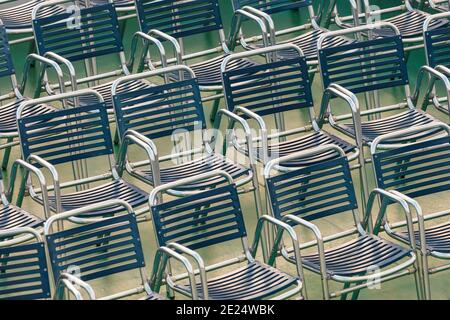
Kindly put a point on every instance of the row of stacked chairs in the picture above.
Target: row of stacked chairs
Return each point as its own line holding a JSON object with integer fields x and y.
{"x": 90, "y": 232}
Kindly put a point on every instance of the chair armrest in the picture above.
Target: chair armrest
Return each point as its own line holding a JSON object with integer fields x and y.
{"x": 147, "y": 39}
{"x": 199, "y": 261}
{"x": 172, "y": 40}
{"x": 434, "y": 75}
{"x": 71, "y": 282}
{"x": 143, "y": 143}
{"x": 28, "y": 168}
{"x": 234, "y": 118}
{"x": 257, "y": 16}
{"x": 163, "y": 254}
{"x": 45, "y": 62}
{"x": 282, "y": 227}
{"x": 337, "y": 91}
{"x": 317, "y": 234}
{"x": 386, "y": 196}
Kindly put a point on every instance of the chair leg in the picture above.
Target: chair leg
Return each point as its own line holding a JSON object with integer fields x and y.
{"x": 346, "y": 286}
{"x": 259, "y": 212}
{"x": 419, "y": 281}
{"x": 325, "y": 288}
{"x": 215, "y": 108}
{"x": 116, "y": 137}
{"x": 426, "y": 278}
{"x": 32, "y": 49}
{"x": 6, "y": 155}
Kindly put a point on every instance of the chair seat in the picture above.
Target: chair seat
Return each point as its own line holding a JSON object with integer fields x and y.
{"x": 208, "y": 72}
{"x": 195, "y": 167}
{"x": 308, "y": 43}
{"x": 105, "y": 90}
{"x": 410, "y": 24}
{"x": 358, "y": 256}
{"x": 404, "y": 120}
{"x": 14, "y": 217}
{"x": 252, "y": 282}
{"x": 19, "y": 17}
{"x": 117, "y": 189}
{"x": 436, "y": 237}
{"x": 315, "y": 139}
{"x": 8, "y": 115}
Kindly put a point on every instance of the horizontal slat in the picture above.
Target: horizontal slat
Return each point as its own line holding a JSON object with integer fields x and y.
{"x": 179, "y": 18}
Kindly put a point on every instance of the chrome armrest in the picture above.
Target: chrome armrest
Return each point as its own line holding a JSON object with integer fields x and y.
{"x": 144, "y": 143}
{"x": 282, "y": 227}
{"x": 145, "y": 56}
{"x": 72, "y": 283}
{"x": 163, "y": 255}
{"x": 434, "y": 75}
{"x": 198, "y": 260}
{"x": 28, "y": 168}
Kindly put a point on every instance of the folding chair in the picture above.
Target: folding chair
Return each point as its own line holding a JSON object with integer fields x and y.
{"x": 273, "y": 89}
{"x": 406, "y": 18}
{"x": 177, "y": 20}
{"x": 368, "y": 68}
{"x": 8, "y": 128}
{"x": 23, "y": 267}
{"x": 18, "y": 18}
{"x": 419, "y": 171}
{"x": 86, "y": 36}
{"x": 206, "y": 220}
{"x": 439, "y": 5}
{"x": 267, "y": 10}
{"x": 98, "y": 249}
{"x": 70, "y": 137}
{"x": 438, "y": 58}
{"x": 313, "y": 193}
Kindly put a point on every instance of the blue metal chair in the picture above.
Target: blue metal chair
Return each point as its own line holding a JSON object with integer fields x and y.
{"x": 23, "y": 267}
{"x": 273, "y": 89}
{"x": 71, "y": 137}
{"x": 307, "y": 196}
{"x": 365, "y": 70}
{"x": 267, "y": 10}
{"x": 101, "y": 247}
{"x": 84, "y": 36}
{"x": 438, "y": 58}
{"x": 206, "y": 220}
{"x": 406, "y": 18}
{"x": 159, "y": 112}
{"x": 8, "y": 128}
{"x": 418, "y": 171}
{"x": 177, "y": 20}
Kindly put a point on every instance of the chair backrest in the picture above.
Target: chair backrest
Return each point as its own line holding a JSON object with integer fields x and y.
{"x": 366, "y": 65}
{"x": 314, "y": 191}
{"x": 6, "y": 62}
{"x": 159, "y": 110}
{"x": 415, "y": 170}
{"x": 23, "y": 269}
{"x": 437, "y": 41}
{"x": 270, "y": 87}
{"x": 201, "y": 220}
{"x": 94, "y": 32}
{"x": 97, "y": 249}
{"x": 272, "y": 6}
{"x": 179, "y": 18}
{"x": 67, "y": 135}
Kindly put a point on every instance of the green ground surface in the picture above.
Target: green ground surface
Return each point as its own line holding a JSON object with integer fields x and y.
{"x": 398, "y": 289}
